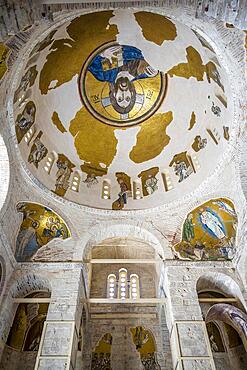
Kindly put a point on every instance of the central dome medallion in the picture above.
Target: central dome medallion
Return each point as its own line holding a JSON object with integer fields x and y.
{"x": 119, "y": 87}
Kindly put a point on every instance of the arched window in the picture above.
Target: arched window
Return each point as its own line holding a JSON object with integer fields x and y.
{"x": 106, "y": 189}
{"x": 50, "y": 161}
{"x": 30, "y": 134}
{"x": 76, "y": 179}
{"x": 121, "y": 287}
{"x": 111, "y": 286}
{"x": 134, "y": 291}
{"x": 123, "y": 284}
{"x": 137, "y": 194}
{"x": 167, "y": 180}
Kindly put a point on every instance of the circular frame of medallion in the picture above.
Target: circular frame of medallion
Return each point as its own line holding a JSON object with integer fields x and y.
{"x": 108, "y": 117}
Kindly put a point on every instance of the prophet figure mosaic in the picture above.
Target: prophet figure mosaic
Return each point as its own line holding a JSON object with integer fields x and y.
{"x": 119, "y": 87}
{"x": 209, "y": 232}
{"x": 145, "y": 345}
{"x": 39, "y": 226}
{"x": 101, "y": 356}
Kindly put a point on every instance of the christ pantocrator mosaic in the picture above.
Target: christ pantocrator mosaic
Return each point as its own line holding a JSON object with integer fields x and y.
{"x": 119, "y": 87}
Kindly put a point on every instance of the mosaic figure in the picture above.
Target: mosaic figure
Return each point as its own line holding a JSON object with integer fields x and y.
{"x": 91, "y": 180}
{"x": 38, "y": 151}
{"x": 213, "y": 344}
{"x": 199, "y": 143}
{"x": 39, "y": 225}
{"x": 209, "y": 232}
{"x": 188, "y": 229}
{"x": 226, "y": 133}
{"x": 182, "y": 171}
{"x": 123, "y": 194}
{"x": 25, "y": 120}
{"x": 182, "y": 165}
{"x": 27, "y": 81}
{"x": 225, "y": 207}
{"x": 151, "y": 184}
{"x": 212, "y": 224}
{"x": 120, "y": 66}
{"x": 119, "y": 95}
{"x": 216, "y": 110}
{"x": 101, "y": 356}
{"x": 62, "y": 175}
{"x": 125, "y": 191}
{"x": 145, "y": 345}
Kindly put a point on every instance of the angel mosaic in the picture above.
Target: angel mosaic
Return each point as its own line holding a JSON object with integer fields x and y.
{"x": 38, "y": 151}
{"x": 151, "y": 184}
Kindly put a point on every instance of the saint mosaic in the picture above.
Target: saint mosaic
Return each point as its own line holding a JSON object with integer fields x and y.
{"x": 119, "y": 87}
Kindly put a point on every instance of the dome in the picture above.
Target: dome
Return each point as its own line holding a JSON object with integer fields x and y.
{"x": 122, "y": 110}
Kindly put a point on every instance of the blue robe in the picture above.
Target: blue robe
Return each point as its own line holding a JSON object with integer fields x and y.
{"x": 130, "y": 54}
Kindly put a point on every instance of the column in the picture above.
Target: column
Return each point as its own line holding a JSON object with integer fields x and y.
{"x": 58, "y": 346}
{"x": 189, "y": 340}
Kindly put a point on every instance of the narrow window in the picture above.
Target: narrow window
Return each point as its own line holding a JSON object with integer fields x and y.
{"x": 76, "y": 181}
{"x": 49, "y": 162}
{"x": 111, "y": 286}
{"x": 106, "y": 189}
{"x": 134, "y": 286}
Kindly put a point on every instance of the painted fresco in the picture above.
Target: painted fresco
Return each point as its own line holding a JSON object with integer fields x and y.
{"x": 39, "y": 226}
{"x": 209, "y": 232}
{"x": 145, "y": 345}
{"x": 128, "y": 77}
{"x": 230, "y": 315}
{"x": 101, "y": 356}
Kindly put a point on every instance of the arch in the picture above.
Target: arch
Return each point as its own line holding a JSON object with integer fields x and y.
{"x": 145, "y": 344}
{"x": 221, "y": 283}
{"x": 29, "y": 283}
{"x": 105, "y": 231}
{"x": 230, "y": 315}
{"x": 23, "y": 285}
{"x": 4, "y": 172}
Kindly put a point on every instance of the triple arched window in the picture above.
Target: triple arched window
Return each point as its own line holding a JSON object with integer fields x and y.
{"x": 123, "y": 286}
